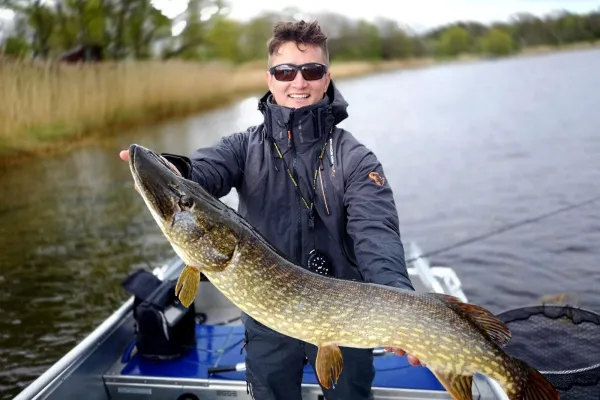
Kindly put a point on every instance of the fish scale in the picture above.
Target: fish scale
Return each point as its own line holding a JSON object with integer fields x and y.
{"x": 454, "y": 339}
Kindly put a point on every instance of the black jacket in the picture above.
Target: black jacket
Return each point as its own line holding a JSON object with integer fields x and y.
{"x": 355, "y": 219}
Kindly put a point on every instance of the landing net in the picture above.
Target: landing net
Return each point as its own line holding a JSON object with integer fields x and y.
{"x": 562, "y": 342}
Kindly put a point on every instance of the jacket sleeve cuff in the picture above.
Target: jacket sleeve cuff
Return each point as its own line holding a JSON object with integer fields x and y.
{"x": 182, "y": 163}
{"x": 400, "y": 284}
{"x": 393, "y": 280}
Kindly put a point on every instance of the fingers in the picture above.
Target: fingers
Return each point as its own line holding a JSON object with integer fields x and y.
{"x": 412, "y": 360}
{"x": 124, "y": 155}
{"x": 395, "y": 350}
{"x": 173, "y": 167}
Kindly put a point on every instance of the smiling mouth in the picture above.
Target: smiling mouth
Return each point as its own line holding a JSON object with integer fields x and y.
{"x": 299, "y": 96}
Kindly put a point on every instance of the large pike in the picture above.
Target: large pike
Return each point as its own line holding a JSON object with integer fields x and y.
{"x": 454, "y": 339}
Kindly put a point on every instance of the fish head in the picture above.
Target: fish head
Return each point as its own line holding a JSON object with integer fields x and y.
{"x": 196, "y": 224}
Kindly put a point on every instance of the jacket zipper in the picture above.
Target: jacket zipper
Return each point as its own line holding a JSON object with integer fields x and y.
{"x": 299, "y": 201}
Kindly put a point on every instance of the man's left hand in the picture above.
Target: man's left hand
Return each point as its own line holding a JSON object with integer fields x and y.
{"x": 412, "y": 360}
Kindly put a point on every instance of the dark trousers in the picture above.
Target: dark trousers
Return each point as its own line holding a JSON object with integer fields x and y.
{"x": 275, "y": 362}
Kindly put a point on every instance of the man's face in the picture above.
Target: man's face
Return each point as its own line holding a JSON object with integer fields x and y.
{"x": 298, "y": 92}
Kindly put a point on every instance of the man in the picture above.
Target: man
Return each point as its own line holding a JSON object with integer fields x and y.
{"x": 315, "y": 193}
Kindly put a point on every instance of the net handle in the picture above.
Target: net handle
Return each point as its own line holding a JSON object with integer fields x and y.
{"x": 557, "y": 310}
{"x": 571, "y": 371}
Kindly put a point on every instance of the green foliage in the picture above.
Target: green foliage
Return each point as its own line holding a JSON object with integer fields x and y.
{"x": 396, "y": 44}
{"x": 135, "y": 29}
{"x": 16, "y": 47}
{"x": 252, "y": 43}
{"x": 361, "y": 41}
{"x": 222, "y": 40}
{"x": 453, "y": 41}
{"x": 497, "y": 42}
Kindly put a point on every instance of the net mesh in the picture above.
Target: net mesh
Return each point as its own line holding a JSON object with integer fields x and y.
{"x": 562, "y": 342}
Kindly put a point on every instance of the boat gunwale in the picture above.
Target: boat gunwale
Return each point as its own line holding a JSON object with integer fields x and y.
{"x": 194, "y": 386}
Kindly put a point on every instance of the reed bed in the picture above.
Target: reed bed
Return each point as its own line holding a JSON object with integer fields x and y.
{"x": 44, "y": 105}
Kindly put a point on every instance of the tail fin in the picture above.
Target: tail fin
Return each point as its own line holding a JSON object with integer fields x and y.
{"x": 536, "y": 386}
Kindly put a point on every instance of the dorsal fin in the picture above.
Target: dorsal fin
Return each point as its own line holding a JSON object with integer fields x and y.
{"x": 496, "y": 329}
{"x": 447, "y": 298}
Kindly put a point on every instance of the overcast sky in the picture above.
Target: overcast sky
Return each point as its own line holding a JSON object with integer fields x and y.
{"x": 423, "y": 13}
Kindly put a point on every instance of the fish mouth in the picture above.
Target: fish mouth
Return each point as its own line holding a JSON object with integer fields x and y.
{"x": 162, "y": 188}
{"x": 155, "y": 180}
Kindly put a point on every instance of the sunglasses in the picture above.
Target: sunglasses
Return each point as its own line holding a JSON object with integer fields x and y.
{"x": 288, "y": 72}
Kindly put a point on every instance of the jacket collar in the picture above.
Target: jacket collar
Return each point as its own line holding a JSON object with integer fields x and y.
{"x": 309, "y": 125}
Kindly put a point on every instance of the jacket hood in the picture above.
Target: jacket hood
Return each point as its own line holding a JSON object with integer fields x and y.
{"x": 308, "y": 124}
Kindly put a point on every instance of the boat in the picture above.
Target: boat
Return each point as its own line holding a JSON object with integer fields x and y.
{"x": 104, "y": 366}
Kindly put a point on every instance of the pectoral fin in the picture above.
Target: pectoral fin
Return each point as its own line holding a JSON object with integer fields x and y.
{"x": 459, "y": 386}
{"x": 328, "y": 365}
{"x": 187, "y": 285}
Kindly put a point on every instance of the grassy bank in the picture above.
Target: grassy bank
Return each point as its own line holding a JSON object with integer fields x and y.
{"x": 49, "y": 107}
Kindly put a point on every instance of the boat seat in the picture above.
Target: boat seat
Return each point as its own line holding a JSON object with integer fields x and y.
{"x": 219, "y": 346}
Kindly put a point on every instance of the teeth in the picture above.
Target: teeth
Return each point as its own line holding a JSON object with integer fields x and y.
{"x": 298, "y": 96}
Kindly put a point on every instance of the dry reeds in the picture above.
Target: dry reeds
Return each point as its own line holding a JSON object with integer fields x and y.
{"x": 44, "y": 104}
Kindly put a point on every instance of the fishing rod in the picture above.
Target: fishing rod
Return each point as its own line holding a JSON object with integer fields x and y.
{"x": 504, "y": 228}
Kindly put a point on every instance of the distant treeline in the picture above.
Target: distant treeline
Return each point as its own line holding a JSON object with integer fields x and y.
{"x": 134, "y": 29}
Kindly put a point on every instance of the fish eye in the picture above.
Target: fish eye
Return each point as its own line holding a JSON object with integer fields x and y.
{"x": 186, "y": 201}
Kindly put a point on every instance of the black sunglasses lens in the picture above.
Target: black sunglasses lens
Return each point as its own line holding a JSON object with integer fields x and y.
{"x": 285, "y": 73}
{"x": 310, "y": 72}
{"x": 313, "y": 72}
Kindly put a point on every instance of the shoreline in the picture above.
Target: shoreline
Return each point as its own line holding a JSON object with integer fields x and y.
{"x": 124, "y": 99}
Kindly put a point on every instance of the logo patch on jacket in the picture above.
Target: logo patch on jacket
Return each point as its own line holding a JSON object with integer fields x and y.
{"x": 378, "y": 179}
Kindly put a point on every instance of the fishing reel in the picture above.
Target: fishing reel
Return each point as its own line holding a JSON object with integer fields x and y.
{"x": 319, "y": 263}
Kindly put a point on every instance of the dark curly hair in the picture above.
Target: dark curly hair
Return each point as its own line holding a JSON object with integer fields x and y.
{"x": 300, "y": 33}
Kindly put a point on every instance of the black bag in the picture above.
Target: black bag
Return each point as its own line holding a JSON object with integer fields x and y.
{"x": 165, "y": 329}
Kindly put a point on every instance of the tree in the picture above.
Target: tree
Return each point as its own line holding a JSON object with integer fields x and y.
{"x": 223, "y": 39}
{"x": 395, "y": 42}
{"x": 497, "y": 42}
{"x": 453, "y": 41}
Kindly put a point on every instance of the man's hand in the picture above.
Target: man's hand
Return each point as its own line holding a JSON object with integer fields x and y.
{"x": 124, "y": 155}
{"x": 412, "y": 360}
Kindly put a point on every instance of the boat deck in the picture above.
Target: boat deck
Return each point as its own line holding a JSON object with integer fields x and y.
{"x": 219, "y": 346}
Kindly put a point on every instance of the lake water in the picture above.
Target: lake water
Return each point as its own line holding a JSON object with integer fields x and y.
{"x": 467, "y": 149}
